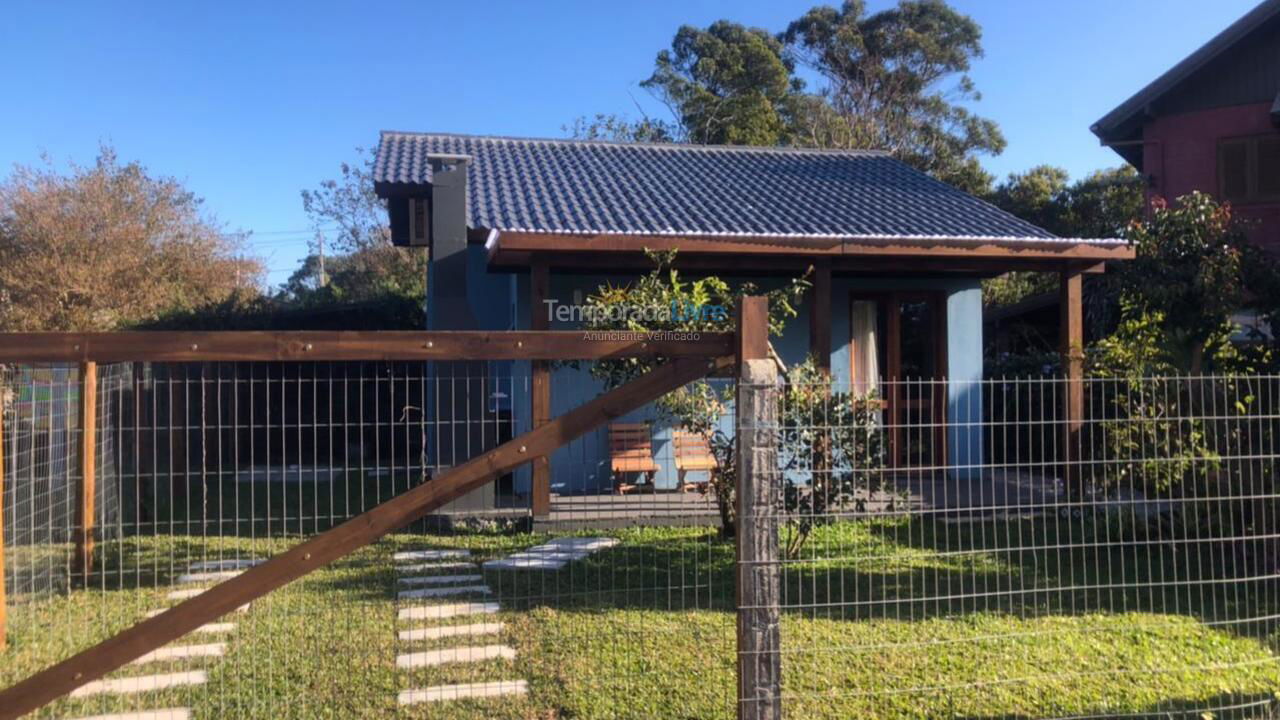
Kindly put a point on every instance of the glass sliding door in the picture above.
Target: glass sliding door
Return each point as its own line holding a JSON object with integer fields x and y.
{"x": 898, "y": 351}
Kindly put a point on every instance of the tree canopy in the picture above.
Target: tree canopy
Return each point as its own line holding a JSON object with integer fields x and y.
{"x": 109, "y": 246}
{"x": 363, "y": 265}
{"x": 1193, "y": 270}
{"x": 727, "y": 85}
{"x": 894, "y": 80}
{"x": 1100, "y": 205}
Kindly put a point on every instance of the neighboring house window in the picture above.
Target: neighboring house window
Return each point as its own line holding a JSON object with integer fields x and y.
{"x": 1249, "y": 169}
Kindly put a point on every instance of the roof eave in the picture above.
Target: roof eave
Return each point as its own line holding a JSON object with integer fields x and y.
{"x": 522, "y": 243}
{"x": 387, "y": 189}
{"x": 1109, "y": 127}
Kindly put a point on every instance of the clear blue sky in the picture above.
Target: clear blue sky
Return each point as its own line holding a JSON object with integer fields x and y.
{"x": 249, "y": 102}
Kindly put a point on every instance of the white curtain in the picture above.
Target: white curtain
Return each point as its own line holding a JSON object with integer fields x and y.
{"x": 866, "y": 363}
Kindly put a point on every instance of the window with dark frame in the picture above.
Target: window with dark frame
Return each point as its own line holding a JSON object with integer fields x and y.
{"x": 1249, "y": 169}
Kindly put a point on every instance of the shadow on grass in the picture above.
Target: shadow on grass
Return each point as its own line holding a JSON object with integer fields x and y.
{"x": 1224, "y": 706}
{"x": 919, "y": 568}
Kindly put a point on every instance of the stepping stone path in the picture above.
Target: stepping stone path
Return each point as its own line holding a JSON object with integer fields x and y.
{"x": 552, "y": 555}
{"x": 417, "y": 568}
{"x": 200, "y": 572}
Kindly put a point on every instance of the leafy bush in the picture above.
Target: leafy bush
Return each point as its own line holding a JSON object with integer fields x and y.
{"x": 830, "y": 446}
{"x": 1193, "y": 452}
{"x": 1151, "y": 438}
{"x": 829, "y": 441}
{"x": 833, "y": 438}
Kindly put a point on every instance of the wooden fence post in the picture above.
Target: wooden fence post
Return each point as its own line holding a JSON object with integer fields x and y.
{"x": 85, "y": 514}
{"x": 540, "y": 387}
{"x": 758, "y": 504}
{"x": 4, "y": 627}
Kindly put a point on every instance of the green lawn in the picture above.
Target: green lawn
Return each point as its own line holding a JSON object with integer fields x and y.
{"x": 884, "y": 619}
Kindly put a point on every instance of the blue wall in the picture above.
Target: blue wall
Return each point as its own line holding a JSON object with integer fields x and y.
{"x": 583, "y": 464}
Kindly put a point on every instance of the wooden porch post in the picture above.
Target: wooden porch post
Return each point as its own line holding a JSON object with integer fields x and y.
{"x": 1071, "y": 344}
{"x": 758, "y": 578}
{"x": 893, "y": 350}
{"x": 820, "y": 351}
{"x": 540, "y": 385}
{"x": 85, "y": 514}
{"x": 820, "y": 317}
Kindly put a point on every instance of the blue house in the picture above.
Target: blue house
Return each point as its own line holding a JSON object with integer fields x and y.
{"x": 516, "y": 226}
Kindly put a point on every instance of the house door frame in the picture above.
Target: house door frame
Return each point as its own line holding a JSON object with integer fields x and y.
{"x": 895, "y": 405}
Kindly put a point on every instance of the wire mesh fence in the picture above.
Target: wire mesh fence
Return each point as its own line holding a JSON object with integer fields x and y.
{"x": 991, "y": 556}
{"x": 942, "y": 548}
{"x": 41, "y": 447}
{"x": 481, "y": 610}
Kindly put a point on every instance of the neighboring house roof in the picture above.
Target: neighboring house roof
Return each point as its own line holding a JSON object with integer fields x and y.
{"x": 572, "y": 187}
{"x": 1124, "y": 123}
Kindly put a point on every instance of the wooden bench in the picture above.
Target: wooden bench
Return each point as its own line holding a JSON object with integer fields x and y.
{"x": 631, "y": 451}
{"x": 693, "y": 453}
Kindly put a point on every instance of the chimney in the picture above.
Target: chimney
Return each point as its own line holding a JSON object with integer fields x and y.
{"x": 446, "y": 219}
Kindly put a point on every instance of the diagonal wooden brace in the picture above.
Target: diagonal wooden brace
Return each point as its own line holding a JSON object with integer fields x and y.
{"x": 64, "y": 677}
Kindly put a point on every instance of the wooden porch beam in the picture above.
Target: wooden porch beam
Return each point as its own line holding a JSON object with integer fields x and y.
{"x": 83, "y": 667}
{"x": 863, "y": 247}
{"x": 162, "y": 346}
{"x": 540, "y": 387}
{"x": 692, "y": 260}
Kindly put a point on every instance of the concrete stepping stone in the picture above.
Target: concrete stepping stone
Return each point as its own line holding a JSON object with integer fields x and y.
{"x": 166, "y": 714}
{"x": 479, "y": 653}
{"x": 182, "y": 652}
{"x": 143, "y": 683}
{"x": 202, "y": 577}
{"x": 528, "y": 562}
{"x": 440, "y": 579}
{"x": 461, "y": 692}
{"x": 444, "y": 591}
{"x": 440, "y": 612}
{"x": 410, "y": 555}
{"x": 228, "y": 564}
{"x": 587, "y": 544}
{"x": 551, "y": 555}
{"x": 427, "y": 567}
{"x": 446, "y": 631}
{"x": 215, "y": 628}
{"x": 184, "y": 594}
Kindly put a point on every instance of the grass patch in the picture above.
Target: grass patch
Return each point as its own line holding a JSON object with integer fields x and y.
{"x": 885, "y": 619}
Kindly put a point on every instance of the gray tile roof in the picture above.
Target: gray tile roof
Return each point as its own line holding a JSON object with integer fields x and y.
{"x": 588, "y": 187}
